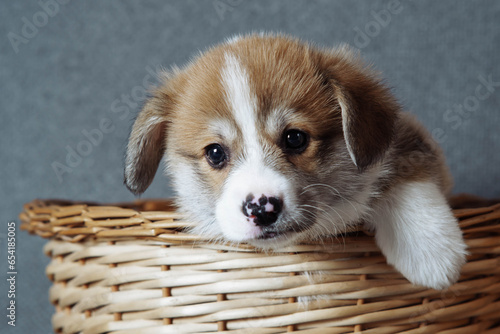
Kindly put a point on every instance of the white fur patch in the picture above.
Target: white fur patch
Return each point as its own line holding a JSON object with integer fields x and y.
{"x": 250, "y": 175}
{"x": 243, "y": 104}
{"x": 190, "y": 195}
{"x": 418, "y": 234}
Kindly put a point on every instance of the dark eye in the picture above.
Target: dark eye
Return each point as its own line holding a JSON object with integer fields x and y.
{"x": 296, "y": 141}
{"x": 216, "y": 156}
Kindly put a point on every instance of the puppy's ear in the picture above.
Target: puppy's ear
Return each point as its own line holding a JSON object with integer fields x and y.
{"x": 146, "y": 144}
{"x": 368, "y": 124}
{"x": 369, "y": 110}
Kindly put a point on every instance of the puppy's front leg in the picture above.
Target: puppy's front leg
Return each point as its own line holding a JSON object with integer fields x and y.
{"x": 419, "y": 236}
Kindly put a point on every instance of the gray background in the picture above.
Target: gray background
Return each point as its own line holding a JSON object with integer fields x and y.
{"x": 71, "y": 73}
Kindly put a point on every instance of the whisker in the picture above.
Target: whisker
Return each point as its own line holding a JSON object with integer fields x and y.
{"x": 332, "y": 189}
{"x": 328, "y": 217}
{"x": 337, "y": 232}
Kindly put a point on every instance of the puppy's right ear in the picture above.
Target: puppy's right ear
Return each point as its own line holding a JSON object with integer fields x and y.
{"x": 146, "y": 144}
{"x": 368, "y": 116}
{"x": 369, "y": 111}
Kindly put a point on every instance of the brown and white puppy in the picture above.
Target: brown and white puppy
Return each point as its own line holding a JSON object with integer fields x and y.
{"x": 272, "y": 141}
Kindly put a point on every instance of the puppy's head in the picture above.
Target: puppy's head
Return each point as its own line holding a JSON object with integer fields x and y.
{"x": 266, "y": 139}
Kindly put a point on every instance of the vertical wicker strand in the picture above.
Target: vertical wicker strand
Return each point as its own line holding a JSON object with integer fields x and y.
{"x": 59, "y": 260}
{"x": 166, "y": 291}
{"x": 291, "y": 300}
{"x": 359, "y": 328}
{"x": 424, "y": 324}
{"x": 221, "y": 325}
{"x": 87, "y": 313}
{"x": 114, "y": 288}
{"x": 67, "y": 309}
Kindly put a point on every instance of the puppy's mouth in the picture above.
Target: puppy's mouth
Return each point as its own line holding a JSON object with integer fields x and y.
{"x": 276, "y": 237}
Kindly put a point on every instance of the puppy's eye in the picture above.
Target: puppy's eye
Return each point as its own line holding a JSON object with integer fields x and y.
{"x": 295, "y": 141}
{"x": 216, "y": 156}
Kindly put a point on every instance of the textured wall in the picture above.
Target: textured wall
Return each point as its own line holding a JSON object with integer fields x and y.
{"x": 79, "y": 69}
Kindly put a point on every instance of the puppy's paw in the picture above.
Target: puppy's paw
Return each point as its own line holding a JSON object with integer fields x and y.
{"x": 434, "y": 263}
{"x": 419, "y": 235}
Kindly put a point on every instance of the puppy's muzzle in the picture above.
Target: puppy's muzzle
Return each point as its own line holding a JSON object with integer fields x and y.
{"x": 263, "y": 211}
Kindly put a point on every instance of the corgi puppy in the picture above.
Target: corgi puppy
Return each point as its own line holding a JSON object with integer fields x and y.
{"x": 272, "y": 141}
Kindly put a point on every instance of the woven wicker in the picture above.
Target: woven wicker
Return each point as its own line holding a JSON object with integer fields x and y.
{"x": 130, "y": 268}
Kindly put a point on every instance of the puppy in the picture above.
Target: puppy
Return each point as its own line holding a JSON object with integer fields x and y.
{"x": 272, "y": 141}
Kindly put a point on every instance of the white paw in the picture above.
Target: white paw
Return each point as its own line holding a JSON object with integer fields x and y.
{"x": 420, "y": 237}
{"x": 434, "y": 263}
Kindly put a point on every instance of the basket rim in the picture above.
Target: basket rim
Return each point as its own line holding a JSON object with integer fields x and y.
{"x": 159, "y": 219}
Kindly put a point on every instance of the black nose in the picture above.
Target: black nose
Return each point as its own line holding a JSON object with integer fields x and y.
{"x": 264, "y": 211}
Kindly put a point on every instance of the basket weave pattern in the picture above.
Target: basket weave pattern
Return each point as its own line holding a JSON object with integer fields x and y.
{"x": 131, "y": 268}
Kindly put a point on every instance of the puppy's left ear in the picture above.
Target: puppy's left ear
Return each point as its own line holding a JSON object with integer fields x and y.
{"x": 369, "y": 110}
{"x": 146, "y": 144}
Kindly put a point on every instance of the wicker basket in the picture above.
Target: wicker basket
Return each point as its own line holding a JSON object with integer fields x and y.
{"x": 130, "y": 268}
